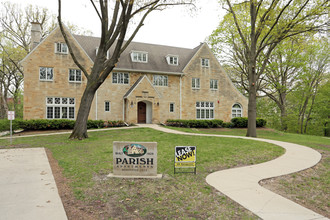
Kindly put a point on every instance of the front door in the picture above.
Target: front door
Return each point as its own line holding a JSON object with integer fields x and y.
{"x": 142, "y": 112}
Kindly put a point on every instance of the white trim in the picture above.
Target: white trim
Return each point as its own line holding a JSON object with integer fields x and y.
{"x": 22, "y": 61}
{"x": 47, "y": 80}
{"x": 208, "y": 62}
{"x": 148, "y": 71}
{"x": 105, "y": 105}
{"x": 193, "y": 57}
{"x": 145, "y": 76}
{"x": 161, "y": 76}
{"x": 168, "y": 57}
{"x": 123, "y": 75}
{"x": 241, "y": 109}
{"x": 199, "y": 83}
{"x": 172, "y": 103}
{"x": 139, "y": 52}
{"x": 75, "y": 76}
{"x": 96, "y": 108}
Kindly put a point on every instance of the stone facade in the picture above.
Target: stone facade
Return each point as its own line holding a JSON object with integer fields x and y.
{"x": 124, "y": 99}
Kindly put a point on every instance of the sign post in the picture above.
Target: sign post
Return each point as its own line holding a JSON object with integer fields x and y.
{"x": 11, "y": 117}
{"x": 185, "y": 157}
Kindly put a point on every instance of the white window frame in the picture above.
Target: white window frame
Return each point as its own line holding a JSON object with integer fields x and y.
{"x": 172, "y": 107}
{"x": 195, "y": 83}
{"x": 204, "y": 110}
{"x": 107, "y": 106}
{"x": 49, "y": 74}
{"x": 64, "y": 106}
{"x": 139, "y": 56}
{"x": 213, "y": 84}
{"x": 120, "y": 78}
{"x": 172, "y": 60}
{"x": 205, "y": 62}
{"x": 76, "y": 79}
{"x": 236, "y": 111}
{"x": 61, "y": 48}
{"x": 160, "y": 80}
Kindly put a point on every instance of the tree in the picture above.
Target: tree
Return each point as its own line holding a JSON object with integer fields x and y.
{"x": 15, "y": 24}
{"x": 113, "y": 34}
{"x": 255, "y": 29}
{"x": 317, "y": 65}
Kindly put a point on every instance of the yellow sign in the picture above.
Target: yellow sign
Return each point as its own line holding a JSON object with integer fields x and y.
{"x": 185, "y": 156}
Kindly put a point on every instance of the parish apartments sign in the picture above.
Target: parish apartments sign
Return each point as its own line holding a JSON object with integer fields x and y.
{"x": 135, "y": 158}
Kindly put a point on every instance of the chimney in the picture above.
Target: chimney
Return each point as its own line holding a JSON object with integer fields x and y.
{"x": 35, "y": 34}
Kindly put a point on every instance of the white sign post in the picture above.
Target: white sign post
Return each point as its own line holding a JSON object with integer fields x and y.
{"x": 11, "y": 117}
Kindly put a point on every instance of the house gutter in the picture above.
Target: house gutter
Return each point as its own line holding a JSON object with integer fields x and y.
{"x": 123, "y": 109}
{"x": 96, "y": 106}
{"x": 180, "y": 105}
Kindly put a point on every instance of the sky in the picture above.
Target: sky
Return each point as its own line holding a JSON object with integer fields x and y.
{"x": 173, "y": 27}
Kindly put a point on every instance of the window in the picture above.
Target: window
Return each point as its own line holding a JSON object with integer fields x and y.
{"x": 236, "y": 111}
{"x": 120, "y": 78}
{"x": 107, "y": 106}
{"x": 171, "y": 107}
{"x": 204, "y": 110}
{"x": 195, "y": 83}
{"x": 46, "y": 73}
{"x": 74, "y": 75}
{"x": 138, "y": 56}
{"x": 172, "y": 60}
{"x": 58, "y": 107}
{"x": 205, "y": 62}
{"x": 213, "y": 84}
{"x": 160, "y": 80}
{"x": 61, "y": 48}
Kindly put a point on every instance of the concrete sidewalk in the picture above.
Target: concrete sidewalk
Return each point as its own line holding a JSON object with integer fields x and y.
{"x": 27, "y": 186}
{"x": 242, "y": 184}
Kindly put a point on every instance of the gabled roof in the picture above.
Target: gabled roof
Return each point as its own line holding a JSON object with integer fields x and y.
{"x": 137, "y": 83}
{"x": 156, "y": 55}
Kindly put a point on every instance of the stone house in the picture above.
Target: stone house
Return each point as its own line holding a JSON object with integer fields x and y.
{"x": 150, "y": 84}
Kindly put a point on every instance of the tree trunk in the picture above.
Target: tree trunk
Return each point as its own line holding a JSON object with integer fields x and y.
{"x": 252, "y": 114}
{"x": 284, "y": 125}
{"x": 80, "y": 127}
{"x": 252, "y": 106}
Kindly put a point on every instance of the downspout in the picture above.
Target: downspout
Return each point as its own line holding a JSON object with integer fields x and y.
{"x": 96, "y": 106}
{"x": 180, "y": 106}
{"x": 123, "y": 109}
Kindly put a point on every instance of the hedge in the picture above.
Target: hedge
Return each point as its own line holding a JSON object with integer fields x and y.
{"x": 56, "y": 124}
{"x": 242, "y": 122}
{"x": 194, "y": 123}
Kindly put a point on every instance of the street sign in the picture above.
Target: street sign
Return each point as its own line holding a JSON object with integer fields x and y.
{"x": 11, "y": 115}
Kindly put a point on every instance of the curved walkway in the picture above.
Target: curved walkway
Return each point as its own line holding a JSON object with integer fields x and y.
{"x": 241, "y": 184}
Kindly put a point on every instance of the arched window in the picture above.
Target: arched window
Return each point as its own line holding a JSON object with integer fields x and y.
{"x": 236, "y": 111}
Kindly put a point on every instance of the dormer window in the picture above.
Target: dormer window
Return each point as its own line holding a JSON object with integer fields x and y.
{"x": 139, "y": 56}
{"x": 172, "y": 60}
{"x": 61, "y": 48}
{"x": 205, "y": 62}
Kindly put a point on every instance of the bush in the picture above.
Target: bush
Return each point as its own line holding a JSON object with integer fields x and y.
{"x": 242, "y": 122}
{"x": 194, "y": 123}
{"x": 327, "y": 131}
{"x": 58, "y": 124}
{"x": 261, "y": 122}
{"x": 5, "y": 124}
{"x": 227, "y": 125}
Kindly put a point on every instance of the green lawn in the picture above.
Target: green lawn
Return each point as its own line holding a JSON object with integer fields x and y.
{"x": 86, "y": 163}
{"x": 309, "y": 188}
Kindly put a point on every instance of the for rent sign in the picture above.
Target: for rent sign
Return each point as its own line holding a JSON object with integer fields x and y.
{"x": 135, "y": 158}
{"x": 185, "y": 157}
